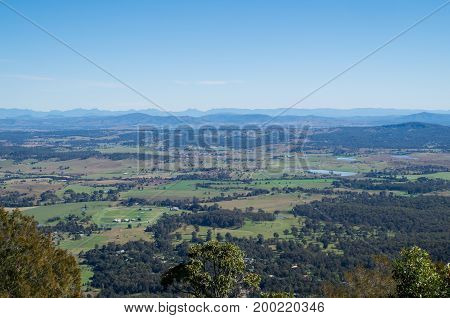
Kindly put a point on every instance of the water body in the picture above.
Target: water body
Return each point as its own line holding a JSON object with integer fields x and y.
{"x": 339, "y": 173}
{"x": 407, "y": 157}
{"x": 346, "y": 159}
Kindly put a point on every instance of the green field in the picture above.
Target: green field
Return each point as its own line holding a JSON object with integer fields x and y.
{"x": 269, "y": 203}
{"x": 81, "y": 188}
{"x": 186, "y": 189}
{"x": 250, "y": 228}
{"x": 182, "y": 189}
{"x": 103, "y": 213}
{"x": 84, "y": 244}
{"x": 117, "y": 149}
{"x": 86, "y": 274}
{"x": 292, "y": 183}
{"x": 107, "y": 215}
{"x": 329, "y": 162}
{"x": 118, "y": 235}
{"x": 268, "y": 228}
{"x": 220, "y": 186}
{"x": 43, "y": 213}
{"x": 437, "y": 175}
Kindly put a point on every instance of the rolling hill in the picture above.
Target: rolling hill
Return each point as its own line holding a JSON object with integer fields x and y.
{"x": 401, "y": 136}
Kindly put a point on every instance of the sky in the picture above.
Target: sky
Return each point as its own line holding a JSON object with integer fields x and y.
{"x": 211, "y": 54}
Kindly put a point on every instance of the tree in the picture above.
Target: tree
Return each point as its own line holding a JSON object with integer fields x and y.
{"x": 30, "y": 265}
{"x": 209, "y": 235}
{"x": 260, "y": 239}
{"x": 412, "y": 274}
{"x": 214, "y": 270}
{"x": 294, "y": 231}
{"x": 194, "y": 238}
{"x": 276, "y": 295}
{"x": 416, "y": 275}
{"x": 444, "y": 271}
{"x": 49, "y": 196}
{"x": 364, "y": 282}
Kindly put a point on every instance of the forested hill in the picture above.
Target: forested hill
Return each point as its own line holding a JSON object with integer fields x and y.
{"x": 132, "y": 120}
{"x": 402, "y": 136}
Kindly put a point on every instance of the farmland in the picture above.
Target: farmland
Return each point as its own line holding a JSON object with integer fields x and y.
{"x": 96, "y": 194}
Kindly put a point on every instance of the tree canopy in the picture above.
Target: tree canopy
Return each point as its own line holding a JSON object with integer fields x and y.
{"x": 411, "y": 275}
{"x": 417, "y": 276}
{"x": 214, "y": 270}
{"x": 30, "y": 265}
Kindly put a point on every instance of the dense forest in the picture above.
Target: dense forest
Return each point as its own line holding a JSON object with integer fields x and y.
{"x": 386, "y": 221}
{"x": 421, "y": 185}
{"x": 401, "y": 136}
{"x": 360, "y": 225}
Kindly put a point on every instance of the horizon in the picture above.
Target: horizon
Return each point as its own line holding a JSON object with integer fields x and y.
{"x": 205, "y": 110}
{"x": 197, "y": 55}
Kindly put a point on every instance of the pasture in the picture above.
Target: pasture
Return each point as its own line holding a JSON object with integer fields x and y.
{"x": 269, "y": 203}
{"x": 250, "y": 228}
{"x": 177, "y": 190}
{"x": 103, "y": 213}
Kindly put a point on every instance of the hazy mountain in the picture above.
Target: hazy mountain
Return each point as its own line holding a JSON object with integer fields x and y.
{"x": 401, "y": 136}
{"x": 95, "y": 122}
{"x": 426, "y": 117}
{"x": 321, "y": 112}
{"x": 95, "y": 119}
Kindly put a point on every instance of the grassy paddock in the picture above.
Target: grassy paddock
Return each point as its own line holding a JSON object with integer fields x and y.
{"x": 250, "y": 228}
{"x": 103, "y": 213}
{"x": 270, "y": 203}
{"x": 437, "y": 175}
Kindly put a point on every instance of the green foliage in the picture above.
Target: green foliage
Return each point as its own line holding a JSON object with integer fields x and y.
{"x": 365, "y": 283}
{"x": 277, "y": 295}
{"x": 30, "y": 265}
{"x": 412, "y": 275}
{"x": 417, "y": 276}
{"x": 214, "y": 270}
{"x": 444, "y": 271}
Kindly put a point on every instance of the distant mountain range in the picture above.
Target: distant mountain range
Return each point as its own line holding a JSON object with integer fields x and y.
{"x": 99, "y": 119}
{"x": 401, "y": 136}
{"x": 321, "y": 112}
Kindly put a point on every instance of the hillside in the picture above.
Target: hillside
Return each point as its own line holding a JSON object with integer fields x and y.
{"x": 402, "y": 136}
{"x": 95, "y": 120}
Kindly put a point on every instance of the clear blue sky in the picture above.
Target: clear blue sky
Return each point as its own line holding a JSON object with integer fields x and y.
{"x": 206, "y": 54}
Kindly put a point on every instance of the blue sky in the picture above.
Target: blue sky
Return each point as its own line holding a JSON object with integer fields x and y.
{"x": 207, "y": 54}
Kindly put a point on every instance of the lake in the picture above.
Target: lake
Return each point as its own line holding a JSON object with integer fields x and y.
{"x": 339, "y": 173}
{"x": 346, "y": 159}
